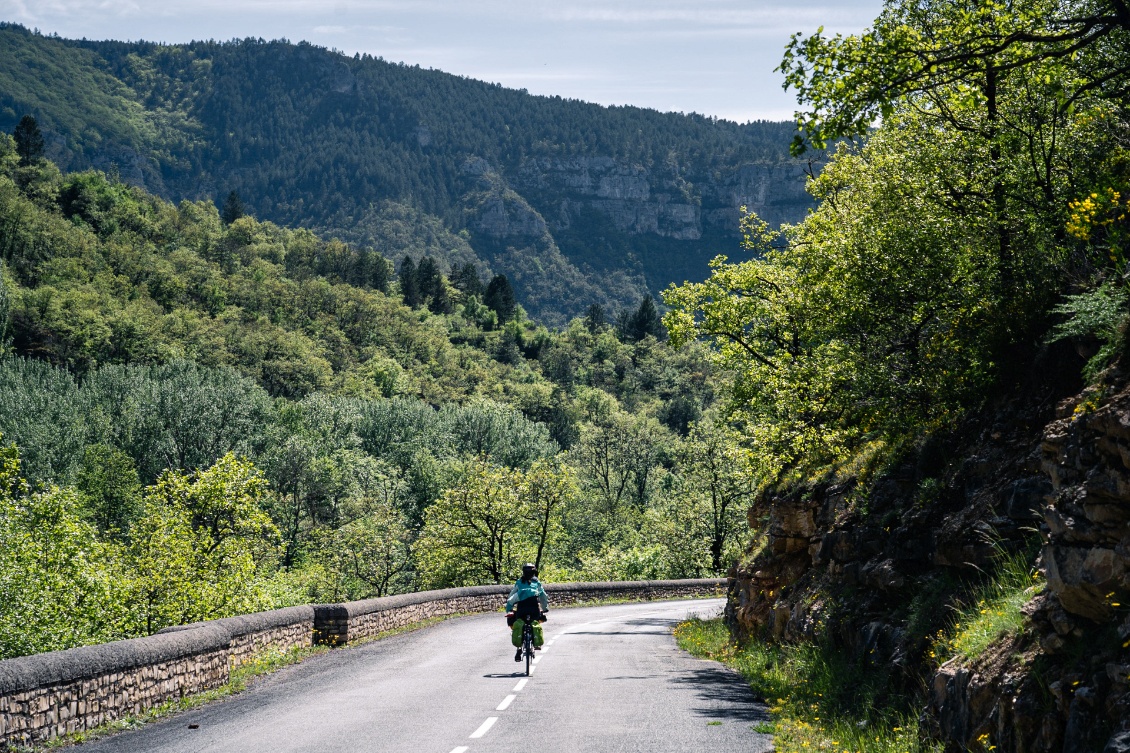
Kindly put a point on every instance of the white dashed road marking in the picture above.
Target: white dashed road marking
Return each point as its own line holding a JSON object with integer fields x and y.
{"x": 484, "y": 727}
{"x": 521, "y": 684}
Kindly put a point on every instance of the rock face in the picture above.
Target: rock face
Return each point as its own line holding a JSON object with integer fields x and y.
{"x": 1086, "y": 454}
{"x": 859, "y": 568}
{"x": 663, "y": 201}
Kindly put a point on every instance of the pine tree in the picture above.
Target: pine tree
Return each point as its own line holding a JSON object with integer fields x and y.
{"x": 409, "y": 283}
{"x": 428, "y": 277}
{"x": 466, "y": 280}
{"x": 595, "y": 318}
{"x": 29, "y": 141}
{"x": 643, "y": 322}
{"x": 377, "y": 270}
{"x": 500, "y": 298}
{"x": 233, "y": 208}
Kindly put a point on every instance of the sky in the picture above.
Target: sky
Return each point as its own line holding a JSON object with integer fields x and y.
{"x": 714, "y": 57}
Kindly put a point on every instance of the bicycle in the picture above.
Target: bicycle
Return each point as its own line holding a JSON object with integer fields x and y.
{"x": 528, "y": 639}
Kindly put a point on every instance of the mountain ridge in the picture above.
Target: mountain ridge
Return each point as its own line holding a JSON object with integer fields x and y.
{"x": 631, "y": 199}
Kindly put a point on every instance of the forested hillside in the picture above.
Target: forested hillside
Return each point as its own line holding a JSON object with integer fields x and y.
{"x": 205, "y": 416}
{"x": 575, "y": 203}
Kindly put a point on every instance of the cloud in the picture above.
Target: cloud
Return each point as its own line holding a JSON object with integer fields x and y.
{"x": 711, "y": 17}
{"x": 712, "y": 56}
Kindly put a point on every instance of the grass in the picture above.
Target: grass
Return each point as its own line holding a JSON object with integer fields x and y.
{"x": 819, "y": 701}
{"x": 993, "y": 611}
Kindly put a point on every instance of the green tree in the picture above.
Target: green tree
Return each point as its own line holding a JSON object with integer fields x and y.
{"x": 499, "y": 298}
{"x": 110, "y": 488}
{"x": 476, "y": 531}
{"x": 55, "y": 573}
{"x": 367, "y": 557}
{"x": 644, "y": 321}
{"x": 924, "y": 52}
{"x": 467, "y": 281}
{"x": 722, "y": 474}
{"x": 409, "y": 283}
{"x": 29, "y": 140}
{"x": 595, "y": 318}
{"x": 201, "y": 548}
{"x": 233, "y": 208}
{"x": 547, "y": 491}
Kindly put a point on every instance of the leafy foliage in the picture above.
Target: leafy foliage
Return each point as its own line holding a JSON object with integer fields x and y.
{"x": 936, "y": 252}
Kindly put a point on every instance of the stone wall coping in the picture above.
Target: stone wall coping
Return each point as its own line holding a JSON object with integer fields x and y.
{"x": 352, "y": 609}
{"x": 26, "y": 673}
{"x": 258, "y": 622}
{"x": 635, "y": 585}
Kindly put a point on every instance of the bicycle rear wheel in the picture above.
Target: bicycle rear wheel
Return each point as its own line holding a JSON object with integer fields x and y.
{"x": 529, "y": 650}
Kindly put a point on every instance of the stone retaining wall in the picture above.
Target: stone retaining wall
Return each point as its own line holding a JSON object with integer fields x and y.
{"x": 57, "y": 693}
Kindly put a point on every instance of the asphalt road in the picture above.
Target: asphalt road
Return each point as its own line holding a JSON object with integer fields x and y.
{"x": 610, "y": 680}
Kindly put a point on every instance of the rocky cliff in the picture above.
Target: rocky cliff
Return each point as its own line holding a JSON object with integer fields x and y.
{"x": 875, "y": 566}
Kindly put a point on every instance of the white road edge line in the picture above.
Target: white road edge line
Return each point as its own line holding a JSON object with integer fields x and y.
{"x": 521, "y": 684}
{"x": 484, "y": 727}
{"x": 460, "y": 749}
{"x": 536, "y": 659}
{"x": 533, "y": 668}
{"x": 506, "y": 702}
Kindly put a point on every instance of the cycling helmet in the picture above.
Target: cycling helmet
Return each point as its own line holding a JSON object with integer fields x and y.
{"x": 529, "y": 569}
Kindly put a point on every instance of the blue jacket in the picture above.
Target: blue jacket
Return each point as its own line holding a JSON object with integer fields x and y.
{"x": 522, "y": 591}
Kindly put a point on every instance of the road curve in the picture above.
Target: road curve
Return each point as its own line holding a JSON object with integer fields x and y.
{"x": 610, "y": 680}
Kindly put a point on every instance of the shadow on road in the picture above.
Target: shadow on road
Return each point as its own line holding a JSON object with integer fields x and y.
{"x": 728, "y": 695}
{"x": 509, "y": 676}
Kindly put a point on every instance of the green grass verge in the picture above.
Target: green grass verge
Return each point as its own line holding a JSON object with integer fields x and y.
{"x": 817, "y": 699}
{"x": 993, "y": 611}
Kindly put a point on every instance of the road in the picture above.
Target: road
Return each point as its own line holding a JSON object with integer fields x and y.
{"x": 610, "y": 680}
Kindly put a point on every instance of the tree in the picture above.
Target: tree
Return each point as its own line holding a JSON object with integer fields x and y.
{"x": 644, "y": 321}
{"x": 919, "y": 51}
{"x": 723, "y": 474}
{"x": 109, "y": 487}
{"x": 233, "y": 208}
{"x": 198, "y": 550}
{"x": 409, "y": 283}
{"x": 595, "y": 318}
{"x": 476, "y": 531}
{"x": 882, "y": 312}
{"x": 367, "y": 557}
{"x": 617, "y": 457}
{"x": 466, "y": 280}
{"x": 29, "y": 141}
{"x": 547, "y": 490}
{"x": 432, "y": 286}
{"x": 373, "y": 270}
{"x": 500, "y": 298}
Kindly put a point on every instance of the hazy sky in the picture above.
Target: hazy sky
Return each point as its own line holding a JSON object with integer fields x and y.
{"x": 714, "y": 57}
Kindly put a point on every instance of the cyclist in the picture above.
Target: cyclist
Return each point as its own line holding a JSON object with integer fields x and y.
{"x": 525, "y": 598}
